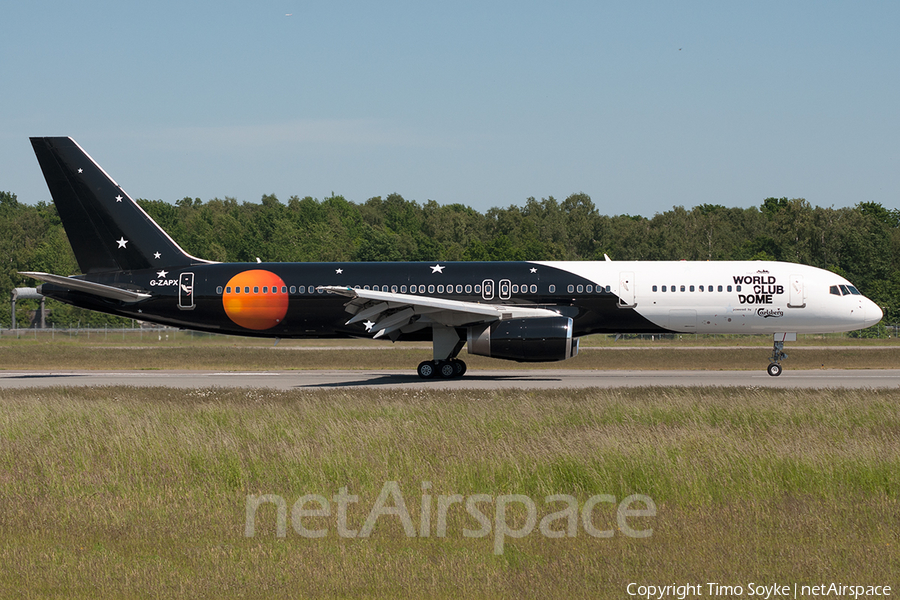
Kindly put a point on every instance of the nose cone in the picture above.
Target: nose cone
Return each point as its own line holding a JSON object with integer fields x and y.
{"x": 872, "y": 314}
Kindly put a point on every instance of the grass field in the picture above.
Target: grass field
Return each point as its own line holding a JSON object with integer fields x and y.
{"x": 143, "y": 492}
{"x": 185, "y": 351}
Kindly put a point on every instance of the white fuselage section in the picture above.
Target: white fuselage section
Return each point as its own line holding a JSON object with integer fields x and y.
{"x": 732, "y": 296}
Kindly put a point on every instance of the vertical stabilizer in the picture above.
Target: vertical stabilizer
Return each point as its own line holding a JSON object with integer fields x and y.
{"x": 108, "y": 231}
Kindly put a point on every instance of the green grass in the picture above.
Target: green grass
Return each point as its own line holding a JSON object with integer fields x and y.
{"x": 206, "y": 352}
{"x": 142, "y": 492}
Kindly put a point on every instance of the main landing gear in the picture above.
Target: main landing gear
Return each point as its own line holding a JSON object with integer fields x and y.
{"x": 445, "y": 369}
{"x": 447, "y": 344}
{"x": 774, "y": 369}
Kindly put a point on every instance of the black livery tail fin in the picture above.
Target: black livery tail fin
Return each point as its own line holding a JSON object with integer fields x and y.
{"x": 108, "y": 231}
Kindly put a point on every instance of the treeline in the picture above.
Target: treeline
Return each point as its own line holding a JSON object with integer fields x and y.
{"x": 861, "y": 243}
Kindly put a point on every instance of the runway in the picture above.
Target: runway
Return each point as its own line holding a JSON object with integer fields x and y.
{"x": 490, "y": 380}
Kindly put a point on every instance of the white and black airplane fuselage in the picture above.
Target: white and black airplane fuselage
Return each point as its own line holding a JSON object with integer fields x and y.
{"x": 523, "y": 311}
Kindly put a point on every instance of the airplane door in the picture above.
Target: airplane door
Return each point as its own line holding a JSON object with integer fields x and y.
{"x": 487, "y": 289}
{"x": 626, "y": 289}
{"x": 796, "y": 293}
{"x": 186, "y": 291}
{"x": 505, "y": 289}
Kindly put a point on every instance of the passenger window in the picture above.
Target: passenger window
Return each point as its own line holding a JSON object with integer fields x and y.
{"x": 534, "y": 289}
{"x": 607, "y": 289}
{"x": 394, "y": 289}
{"x": 293, "y": 289}
{"x": 663, "y": 288}
{"x": 515, "y": 288}
{"x": 682, "y": 288}
{"x": 672, "y": 288}
{"x": 580, "y": 289}
{"x": 468, "y": 288}
{"x": 228, "y": 290}
{"x": 477, "y": 289}
{"x": 552, "y": 288}
{"x": 738, "y": 288}
{"x": 246, "y": 289}
{"x": 459, "y": 289}
{"x": 431, "y": 289}
{"x": 266, "y": 289}
{"x": 284, "y": 289}
{"x": 440, "y": 289}
{"x": 720, "y": 288}
{"x": 729, "y": 288}
{"x": 571, "y": 288}
{"x": 402, "y": 289}
{"x": 692, "y": 288}
{"x": 589, "y": 289}
{"x": 365, "y": 287}
{"x": 219, "y": 290}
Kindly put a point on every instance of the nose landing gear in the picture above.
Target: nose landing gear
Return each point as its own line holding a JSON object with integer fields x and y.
{"x": 774, "y": 369}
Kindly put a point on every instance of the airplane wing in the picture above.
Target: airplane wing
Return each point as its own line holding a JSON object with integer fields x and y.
{"x": 389, "y": 312}
{"x": 89, "y": 287}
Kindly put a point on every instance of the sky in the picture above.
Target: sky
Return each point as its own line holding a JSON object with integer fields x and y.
{"x": 641, "y": 105}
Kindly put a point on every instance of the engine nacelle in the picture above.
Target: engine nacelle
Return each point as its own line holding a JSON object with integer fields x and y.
{"x": 535, "y": 339}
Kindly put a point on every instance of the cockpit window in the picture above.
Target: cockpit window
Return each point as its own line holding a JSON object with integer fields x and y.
{"x": 835, "y": 290}
{"x": 846, "y": 290}
{"x": 854, "y": 291}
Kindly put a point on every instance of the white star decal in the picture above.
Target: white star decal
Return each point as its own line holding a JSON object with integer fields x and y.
{"x": 533, "y": 270}
{"x": 80, "y": 171}
{"x": 162, "y": 273}
{"x": 121, "y": 242}
{"x": 119, "y": 198}
{"x": 338, "y": 271}
{"x": 156, "y": 255}
{"x": 369, "y": 325}
{"x": 438, "y": 268}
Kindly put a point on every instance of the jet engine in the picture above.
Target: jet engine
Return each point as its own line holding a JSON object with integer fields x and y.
{"x": 532, "y": 339}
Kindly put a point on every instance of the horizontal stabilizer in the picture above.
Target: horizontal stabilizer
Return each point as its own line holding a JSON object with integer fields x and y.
{"x": 89, "y": 287}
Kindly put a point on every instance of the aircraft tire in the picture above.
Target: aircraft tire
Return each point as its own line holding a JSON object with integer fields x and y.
{"x": 460, "y": 367}
{"x": 774, "y": 369}
{"x": 446, "y": 369}
{"x": 426, "y": 369}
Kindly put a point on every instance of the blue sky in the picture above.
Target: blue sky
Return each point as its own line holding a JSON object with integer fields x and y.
{"x": 642, "y": 105}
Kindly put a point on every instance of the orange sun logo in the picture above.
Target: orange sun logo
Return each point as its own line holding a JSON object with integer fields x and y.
{"x": 255, "y": 299}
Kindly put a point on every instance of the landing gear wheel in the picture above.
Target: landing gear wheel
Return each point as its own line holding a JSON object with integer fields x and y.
{"x": 446, "y": 369}
{"x": 460, "y": 367}
{"x": 426, "y": 369}
{"x": 774, "y": 369}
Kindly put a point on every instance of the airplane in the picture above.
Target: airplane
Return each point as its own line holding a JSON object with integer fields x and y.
{"x": 529, "y": 311}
